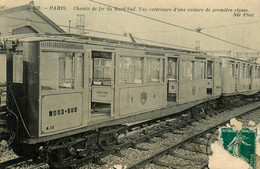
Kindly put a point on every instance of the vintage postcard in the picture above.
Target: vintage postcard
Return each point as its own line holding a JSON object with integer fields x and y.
{"x": 74, "y": 75}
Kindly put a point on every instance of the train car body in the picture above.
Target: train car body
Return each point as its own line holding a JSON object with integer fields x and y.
{"x": 190, "y": 78}
{"x": 69, "y": 92}
{"x": 239, "y": 77}
{"x": 60, "y": 86}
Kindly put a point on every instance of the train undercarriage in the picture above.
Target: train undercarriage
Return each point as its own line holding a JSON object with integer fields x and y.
{"x": 83, "y": 145}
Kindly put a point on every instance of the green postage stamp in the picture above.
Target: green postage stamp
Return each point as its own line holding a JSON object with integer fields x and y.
{"x": 240, "y": 143}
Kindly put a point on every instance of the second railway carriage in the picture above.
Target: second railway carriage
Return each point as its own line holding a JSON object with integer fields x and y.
{"x": 60, "y": 86}
{"x": 239, "y": 77}
{"x": 192, "y": 77}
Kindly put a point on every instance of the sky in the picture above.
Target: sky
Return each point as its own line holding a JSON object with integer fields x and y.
{"x": 217, "y": 21}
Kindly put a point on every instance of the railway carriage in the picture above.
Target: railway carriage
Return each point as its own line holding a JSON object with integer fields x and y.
{"x": 59, "y": 86}
{"x": 193, "y": 77}
{"x": 256, "y": 78}
{"x": 241, "y": 77}
{"x": 83, "y": 90}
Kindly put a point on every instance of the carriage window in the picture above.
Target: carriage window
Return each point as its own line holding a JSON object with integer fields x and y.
{"x": 199, "y": 70}
{"x": 18, "y": 67}
{"x": 162, "y": 71}
{"x": 66, "y": 71}
{"x": 153, "y": 70}
{"x": 57, "y": 70}
{"x": 102, "y": 62}
{"x": 202, "y": 70}
{"x": 247, "y": 72}
{"x": 220, "y": 67}
{"x": 216, "y": 73}
{"x": 244, "y": 71}
{"x": 172, "y": 68}
{"x": 250, "y": 71}
{"x": 187, "y": 70}
{"x": 237, "y": 70}
{"x": 256, "y": 72}
{"x": 131, "y": 70}
{"x": 232, "y": 70}
{"x": 80, "y": 70}
{"x": 209, "y": 69}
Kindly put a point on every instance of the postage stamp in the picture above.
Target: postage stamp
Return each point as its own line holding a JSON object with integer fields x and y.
{"x": 240, "y": 143}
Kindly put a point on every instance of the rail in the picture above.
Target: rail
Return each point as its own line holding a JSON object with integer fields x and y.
{"x": 188, "y": 139}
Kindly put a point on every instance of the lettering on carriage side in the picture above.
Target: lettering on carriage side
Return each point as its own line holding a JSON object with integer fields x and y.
{"x": 62, "y": 111}
{"x": 102, "y": 93}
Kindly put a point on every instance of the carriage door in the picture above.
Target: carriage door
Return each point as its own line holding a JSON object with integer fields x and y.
{"x": 250, "y": 76}
{"x": 102, "y": 83}
{"x": 209, "y": 77}
{"x": 172, "y": 79}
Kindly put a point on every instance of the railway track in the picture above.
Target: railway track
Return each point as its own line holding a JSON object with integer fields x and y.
{"x": 23, "y": 162}
{"x": 175, "y": 143}
{"x": 175, "y": 136}
{"x": 183, "y": 144}
{"x": 15, "y": 161}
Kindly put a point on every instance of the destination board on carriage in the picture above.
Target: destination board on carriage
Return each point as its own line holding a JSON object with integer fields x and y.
{"x": 101, "y": 94}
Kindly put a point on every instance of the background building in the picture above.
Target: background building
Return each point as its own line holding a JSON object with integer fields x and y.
{"x": 21, "y": 20}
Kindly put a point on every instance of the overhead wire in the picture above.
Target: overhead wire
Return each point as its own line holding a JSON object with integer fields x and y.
{"x": 178, "y": 26}
{"x": 102, "y": 32}
{"x": 219, "y": 26}
{"x": 162, "y": 43}
{"x": 162, "y": 31}
{"x": 188, "y": 29}
{"x": 212, "y": 27}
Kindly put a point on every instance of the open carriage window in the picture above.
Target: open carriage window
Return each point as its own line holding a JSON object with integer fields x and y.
{"x": 209, "y": 69}
{"x": 199, "y": 70}
{"x": 79, "y": 70}
{"x": 154, "y": 70}
{"x": 202, "y": 70}
{"x": 232, "y": 70}
{"x": 247, "y": 71}
{"x": 187, "y": 70}
{"x": 102, "y": 62}
{"x": 218, "y": 70}
{"x": 255, "y": 72}
{"x": 58, "y": 69}
{"x": 172, "y": 69}
{"x": 18, "y": 67}
{"x": 250, "y": 71}
{"x": 243, "y": 71}
{"x": 66, "y": 71}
